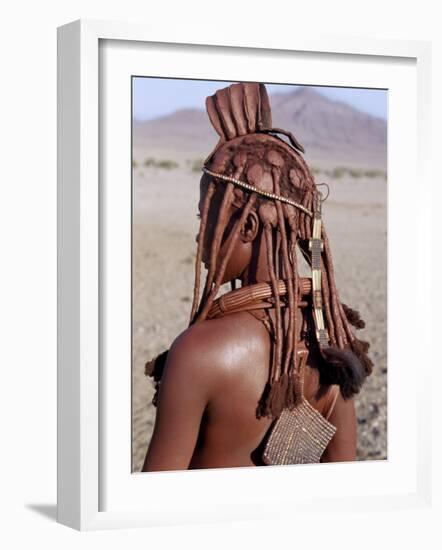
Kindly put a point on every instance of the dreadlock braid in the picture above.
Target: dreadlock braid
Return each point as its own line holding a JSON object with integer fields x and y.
{"x": 359, "y": 347}
{"x": 239, "y": 160}
{"x": 326, "y": 300}
{"x": 219, "y": 231}
{"x": 289, "y": 364}
{"x": 275, "y": 389}
{"x": 336, "y": 312}
{"x": 201, "y": 236}
{"x": 288, "y": 272}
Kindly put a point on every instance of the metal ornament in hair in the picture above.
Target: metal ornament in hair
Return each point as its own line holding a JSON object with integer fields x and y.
{"x": 316, "y": 246}
{"x": 253, "y": 189}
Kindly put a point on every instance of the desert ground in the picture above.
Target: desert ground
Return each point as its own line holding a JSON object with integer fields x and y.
{"x": 165, "y": 197}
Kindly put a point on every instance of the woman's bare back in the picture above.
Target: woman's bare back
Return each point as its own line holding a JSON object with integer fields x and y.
{"x": 213, "y": 380}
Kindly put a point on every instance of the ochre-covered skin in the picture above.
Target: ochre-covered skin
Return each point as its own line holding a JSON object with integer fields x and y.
{"x": 215, "y": 374}
{"x": 226, "y": 378}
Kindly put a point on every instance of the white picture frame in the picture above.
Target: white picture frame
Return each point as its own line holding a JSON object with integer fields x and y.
{"x": 84, "y": 466}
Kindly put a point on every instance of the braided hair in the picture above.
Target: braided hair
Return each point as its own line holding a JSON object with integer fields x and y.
{"x": 265, "y": 161}
{"x": 250, "y": 150}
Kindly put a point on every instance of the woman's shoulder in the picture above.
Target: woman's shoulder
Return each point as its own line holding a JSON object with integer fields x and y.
{"x": 220, "y": 342}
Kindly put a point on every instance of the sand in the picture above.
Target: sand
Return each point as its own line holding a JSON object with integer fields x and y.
{"x": 164, "y": 229}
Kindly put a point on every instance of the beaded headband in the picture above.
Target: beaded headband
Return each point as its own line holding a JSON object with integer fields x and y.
{"x": 249, "y": 187}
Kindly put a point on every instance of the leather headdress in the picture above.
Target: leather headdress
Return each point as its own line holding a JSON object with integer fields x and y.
{"x": 242, "y": 109}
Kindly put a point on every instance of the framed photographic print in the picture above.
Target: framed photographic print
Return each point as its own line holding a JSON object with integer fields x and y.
{"x": 232, "y": 222}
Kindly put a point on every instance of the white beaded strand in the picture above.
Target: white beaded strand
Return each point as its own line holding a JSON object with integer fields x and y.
{"x": 258, "y": 191}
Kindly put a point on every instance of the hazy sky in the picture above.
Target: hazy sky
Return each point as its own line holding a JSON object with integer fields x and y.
{"x": 153, "y": 97}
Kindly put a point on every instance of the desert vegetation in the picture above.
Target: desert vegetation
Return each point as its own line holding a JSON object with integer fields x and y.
{"x": 165, "y": 164}
{"x": 336, "y": 173}
{"x": 339, "y": 172}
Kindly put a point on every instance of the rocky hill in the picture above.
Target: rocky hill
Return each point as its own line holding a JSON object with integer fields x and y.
{"x": 332, "y": 132}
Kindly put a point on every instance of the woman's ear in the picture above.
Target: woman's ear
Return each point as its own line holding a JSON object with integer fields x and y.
{"x": 250, "y": 229}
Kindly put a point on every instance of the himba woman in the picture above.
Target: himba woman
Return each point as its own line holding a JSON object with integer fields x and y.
{"x": 265, "y": 374}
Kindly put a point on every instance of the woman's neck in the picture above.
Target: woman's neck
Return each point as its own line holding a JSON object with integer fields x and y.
{"x": 257, "y": 271}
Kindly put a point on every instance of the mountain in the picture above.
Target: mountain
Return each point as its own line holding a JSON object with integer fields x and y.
{"x": 332, "y": 132}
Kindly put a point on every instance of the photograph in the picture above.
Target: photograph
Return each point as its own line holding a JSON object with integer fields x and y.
{"x": 220, "y": 237}
{"x": 259, "y": 274}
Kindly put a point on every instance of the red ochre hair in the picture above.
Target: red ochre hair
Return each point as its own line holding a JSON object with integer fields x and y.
{"x": 250, "y": 150}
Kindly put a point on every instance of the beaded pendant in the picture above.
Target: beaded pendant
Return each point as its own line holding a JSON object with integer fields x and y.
{"x": 301, "y": 435}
